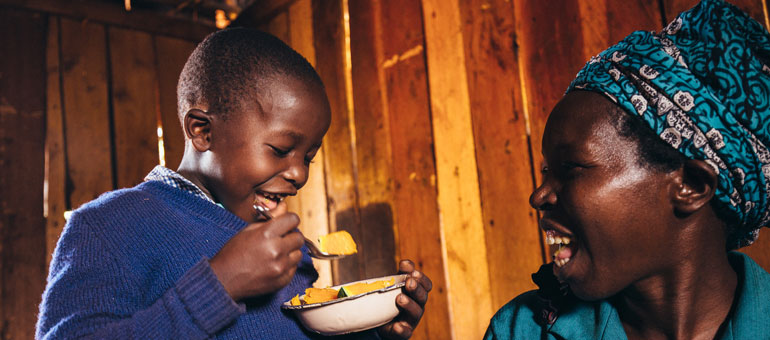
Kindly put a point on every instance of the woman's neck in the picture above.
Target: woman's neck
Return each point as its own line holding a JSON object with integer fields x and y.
{"x": 690, "y": 302}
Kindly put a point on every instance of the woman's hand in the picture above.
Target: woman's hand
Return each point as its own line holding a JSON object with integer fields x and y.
{"x": 412, "y": 304}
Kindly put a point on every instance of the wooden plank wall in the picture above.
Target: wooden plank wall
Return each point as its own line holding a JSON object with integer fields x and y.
{"x": 80, "y": 104}
{"x": 434, "y": 147}
{"x": 438, "y": 117}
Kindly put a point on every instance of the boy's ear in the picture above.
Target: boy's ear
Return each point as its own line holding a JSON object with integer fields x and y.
{"x": 197, "y": 128}
{"x": 695, "y": 186}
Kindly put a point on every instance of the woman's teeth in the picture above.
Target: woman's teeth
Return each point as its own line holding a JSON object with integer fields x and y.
{"x": 563, "y": 254}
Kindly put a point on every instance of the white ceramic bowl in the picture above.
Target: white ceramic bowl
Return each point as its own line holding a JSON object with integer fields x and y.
{"x": 354, "y": 313}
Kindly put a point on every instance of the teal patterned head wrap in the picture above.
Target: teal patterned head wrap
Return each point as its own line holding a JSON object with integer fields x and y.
{"x": 703, "y": 85}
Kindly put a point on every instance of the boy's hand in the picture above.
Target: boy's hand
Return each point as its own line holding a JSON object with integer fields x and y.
{"x": 412, "y": 304}
{"x": 261, "y": 258}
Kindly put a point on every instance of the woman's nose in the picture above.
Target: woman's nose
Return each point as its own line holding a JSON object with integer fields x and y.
{"x": 543, "y": 198}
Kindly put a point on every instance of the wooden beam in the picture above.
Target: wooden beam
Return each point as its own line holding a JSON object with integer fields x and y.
{"x": 86, "y": 111}
{"x": 135, "y": 105}
{"x": 310, "y": 203}
{"x": 22, "y": 161}
{"x": 261, "y": 11}
{"x": 404, "y": 87}
{"x": 458, "y": 184}
{"x": 113, "y": 13}
{"x": 55, "y": 157}
{"x": 341, "y": 187}
{"x": 170, "y": 55}
{"x": 502, "y": 147}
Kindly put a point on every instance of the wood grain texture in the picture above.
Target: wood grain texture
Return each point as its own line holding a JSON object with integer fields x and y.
{"x": 22, "y": 161}
{"x": 114, "y": 13}
{"x": 339, "y": 161}
{"x": 375, "y": 197}
{"x": 279, "y": 26}
{"x": 413, "y": 169}
{"x": 311, "y": 200}
{"x": 55, "y": 158}
{"x": 502, "y": 147}
{"x": 171, "y": 55}
{"x": 457, "y": 178}
{"x": 86, "y": 111}
{"x": 134, "y": 105}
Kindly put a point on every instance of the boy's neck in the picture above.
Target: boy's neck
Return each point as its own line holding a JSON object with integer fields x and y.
{"x": 193, "y": 175}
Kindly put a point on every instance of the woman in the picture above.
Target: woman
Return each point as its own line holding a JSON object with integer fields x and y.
{"x": 655, "y": 166}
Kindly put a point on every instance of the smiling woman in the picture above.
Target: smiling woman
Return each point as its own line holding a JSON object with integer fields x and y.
{"x": 655, "y": 164}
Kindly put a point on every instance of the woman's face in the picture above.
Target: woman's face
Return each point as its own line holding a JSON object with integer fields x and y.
{"x": 612, "y": 214}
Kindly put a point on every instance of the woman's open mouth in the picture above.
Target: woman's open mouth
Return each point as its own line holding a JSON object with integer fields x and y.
{"x": 564, "y": 251}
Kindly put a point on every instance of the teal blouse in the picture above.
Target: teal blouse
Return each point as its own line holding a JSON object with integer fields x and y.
{"x": 598, "y": 320}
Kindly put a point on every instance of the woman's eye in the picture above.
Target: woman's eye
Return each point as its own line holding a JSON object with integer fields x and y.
{"x": 544, "y": 170}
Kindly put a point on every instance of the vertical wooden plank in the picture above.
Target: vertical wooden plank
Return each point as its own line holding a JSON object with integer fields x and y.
{"x": 502, "y": 148}
{"x": 86, "y": 120}
{"x": 458, "y": 185}
{"x": 22, "y": 161}
{"x": 311, "y": 200}
{"x": 55, "y": 158}
{"x": 134, "y": 105}
{"x": 171, "y": 54}
{"x": 279, "y": 26}
{"x": 375, "y": 197}
{"x": 341, "y": 188}
{"x": 404, "y": 82}
{"x": 550, "y": 41}
{"x": 606, "y": 22}
{"x": 753, "y": 7}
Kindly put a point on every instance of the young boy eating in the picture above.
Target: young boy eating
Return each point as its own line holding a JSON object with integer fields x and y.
{"x": 185, "y": 255}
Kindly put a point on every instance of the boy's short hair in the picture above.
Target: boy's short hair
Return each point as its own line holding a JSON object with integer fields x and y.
{"x": 235, "y": 64}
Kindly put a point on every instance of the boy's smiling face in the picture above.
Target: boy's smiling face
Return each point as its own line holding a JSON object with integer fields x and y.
{"x": 263, "y": 154}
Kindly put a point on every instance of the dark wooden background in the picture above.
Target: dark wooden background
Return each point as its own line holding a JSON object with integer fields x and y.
{"x": 438, "y": 105}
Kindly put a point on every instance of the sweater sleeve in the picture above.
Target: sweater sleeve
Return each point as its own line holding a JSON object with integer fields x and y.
{"x": 90, "y": 295}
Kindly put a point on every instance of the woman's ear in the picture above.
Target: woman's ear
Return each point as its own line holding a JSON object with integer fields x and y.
{"x": 695, "y": 186}
{"x": 197, "y": 128}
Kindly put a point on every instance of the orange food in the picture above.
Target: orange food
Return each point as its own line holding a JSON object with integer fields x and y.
{"x": 316, "y": 295}
{"x": 295, "y": 300}
{"x": 363, "y": 287}
{"x": 339, "y": 242}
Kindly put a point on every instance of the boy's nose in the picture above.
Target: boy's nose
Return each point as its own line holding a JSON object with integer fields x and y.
{"x": 296, "y": 174}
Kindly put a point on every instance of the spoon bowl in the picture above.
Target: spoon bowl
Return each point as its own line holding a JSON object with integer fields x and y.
{"x": 315, "y": 251}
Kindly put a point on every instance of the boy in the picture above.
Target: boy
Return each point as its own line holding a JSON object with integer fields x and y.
{"x": 185, "y": 255}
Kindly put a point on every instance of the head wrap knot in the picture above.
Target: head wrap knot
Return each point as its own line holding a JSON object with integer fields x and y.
{"x": 703, "y": 85}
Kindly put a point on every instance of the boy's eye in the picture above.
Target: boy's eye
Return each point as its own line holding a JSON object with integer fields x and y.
{"x": 279, "y": 151}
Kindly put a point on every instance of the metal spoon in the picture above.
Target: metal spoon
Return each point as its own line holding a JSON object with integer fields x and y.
{"x": 315, "y": 251}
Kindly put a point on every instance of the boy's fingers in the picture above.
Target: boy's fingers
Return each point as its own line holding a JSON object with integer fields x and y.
{"x": 281, "y": 225}
{"x": 412, "y": 311}
{"x": 397, "y": 330}
{"x": 416, "y": 291}
{"x": 405, "y": 266}
{"x": 425, "y": 281}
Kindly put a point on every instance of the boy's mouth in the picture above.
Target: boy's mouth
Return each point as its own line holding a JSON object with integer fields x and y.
{"x": 268, "y": 200}
{"x": 564, "y": 251}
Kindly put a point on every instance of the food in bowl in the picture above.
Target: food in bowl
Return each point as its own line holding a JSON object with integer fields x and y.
{"x": 354, "y": 313}
{"x": 317, "y": 295}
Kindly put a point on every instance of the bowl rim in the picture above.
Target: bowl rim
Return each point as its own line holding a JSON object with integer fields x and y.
{"x": 287, "y": 304}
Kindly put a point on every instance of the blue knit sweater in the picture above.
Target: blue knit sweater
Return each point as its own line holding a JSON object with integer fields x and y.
{"x": 133, "y": 264}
